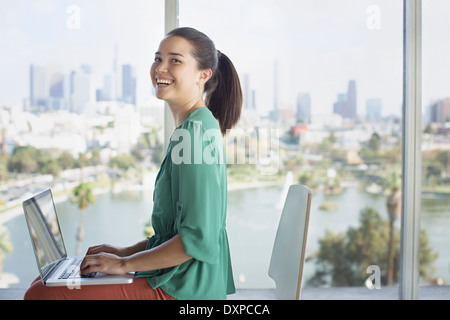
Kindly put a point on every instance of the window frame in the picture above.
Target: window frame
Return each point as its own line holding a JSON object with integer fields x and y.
{"x": 411, "y": 150}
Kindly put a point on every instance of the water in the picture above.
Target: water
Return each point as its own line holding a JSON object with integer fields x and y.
{"x": 253, "y": 215}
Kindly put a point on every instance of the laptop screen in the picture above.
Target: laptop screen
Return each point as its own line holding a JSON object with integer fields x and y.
{"x": 40, "y": 214}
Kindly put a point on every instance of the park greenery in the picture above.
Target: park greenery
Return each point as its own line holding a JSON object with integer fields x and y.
{"x": 343, "y": 258}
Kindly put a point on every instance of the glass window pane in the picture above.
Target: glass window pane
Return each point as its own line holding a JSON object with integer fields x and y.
{"x": 328, "y": 76}
{"x": 75, "y": 92}
{"x": 435, "y": 143}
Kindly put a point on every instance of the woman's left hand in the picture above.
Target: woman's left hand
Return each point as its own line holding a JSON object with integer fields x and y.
{"x": 103, "y": 262}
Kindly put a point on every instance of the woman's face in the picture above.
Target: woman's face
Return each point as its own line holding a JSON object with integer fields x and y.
{"x": 175, "y": 74}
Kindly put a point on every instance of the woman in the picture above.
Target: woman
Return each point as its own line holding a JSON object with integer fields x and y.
{"x": 188, "y": 257}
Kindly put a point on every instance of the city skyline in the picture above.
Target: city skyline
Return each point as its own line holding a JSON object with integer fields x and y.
{"x": 318, "y": 53}
{"x": 51, "y": 89}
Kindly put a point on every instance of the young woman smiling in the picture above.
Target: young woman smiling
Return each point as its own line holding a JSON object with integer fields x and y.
{"x": 188, "y": 257}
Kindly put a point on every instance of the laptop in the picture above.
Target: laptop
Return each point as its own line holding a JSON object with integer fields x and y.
{"x": 55, "y": 266}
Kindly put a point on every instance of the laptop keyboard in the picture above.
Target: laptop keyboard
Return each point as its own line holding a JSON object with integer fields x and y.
{"x": 73, "y": 271}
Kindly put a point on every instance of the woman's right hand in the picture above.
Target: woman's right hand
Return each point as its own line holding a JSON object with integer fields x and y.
{"x": 106, "y": 248}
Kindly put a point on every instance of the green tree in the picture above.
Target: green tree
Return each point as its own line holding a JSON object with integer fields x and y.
{"x": 393, "y": 204}
{"x": 443, "y": 156}
{"x": 23, "y": 160}
{"x": 342, "y": 259}
{"x": 66, "y": 160}
{"x": 370, "y": 152}
{"x": 51, "y": 167}
{"x": 3, "y": 165}
{"x": 82, "y": 197}
{"x": 375, "y": 143}
{"x": 123, "y": 162}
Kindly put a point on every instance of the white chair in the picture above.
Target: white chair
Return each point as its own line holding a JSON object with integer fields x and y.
{"x": 288, "y": 254}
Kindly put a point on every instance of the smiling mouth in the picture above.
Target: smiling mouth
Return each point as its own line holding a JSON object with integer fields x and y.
{"x": 164, "y": 82}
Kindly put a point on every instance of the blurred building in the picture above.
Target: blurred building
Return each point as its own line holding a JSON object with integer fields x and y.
{"x": 439, "y": 111}
{"x": 129, "y": 84}
{"x": 346, "y": 105}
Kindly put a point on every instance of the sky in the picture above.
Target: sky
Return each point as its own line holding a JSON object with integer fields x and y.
{"x": 318, "y": 45}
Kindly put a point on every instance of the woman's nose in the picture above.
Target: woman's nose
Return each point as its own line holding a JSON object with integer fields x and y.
{"x": 161, "y": 68}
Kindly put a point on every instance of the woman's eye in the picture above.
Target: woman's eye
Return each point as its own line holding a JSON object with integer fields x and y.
{"x": 176, "y": 61}
{"x": 157, "y": 59}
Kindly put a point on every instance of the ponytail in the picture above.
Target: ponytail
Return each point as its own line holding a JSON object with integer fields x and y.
{"x": 223, "y": 93}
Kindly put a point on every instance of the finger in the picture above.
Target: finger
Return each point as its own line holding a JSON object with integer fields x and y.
{"x": 88, "y": 261}
{"x": 89, "y": 269}
{"x": 95, "y": 249}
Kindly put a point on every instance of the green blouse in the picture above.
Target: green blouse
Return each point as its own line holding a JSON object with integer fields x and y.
{"x": 190, "y": 199}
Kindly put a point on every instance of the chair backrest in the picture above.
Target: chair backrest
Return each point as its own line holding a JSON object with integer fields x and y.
{"x": 288, "y": 254}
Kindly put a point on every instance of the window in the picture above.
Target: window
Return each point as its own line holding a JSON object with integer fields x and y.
{"x": 328, "y": 76}
{"x": 322, "y": 79}
{"x": 435, "y": 142}
{"x": 76, "y": 93}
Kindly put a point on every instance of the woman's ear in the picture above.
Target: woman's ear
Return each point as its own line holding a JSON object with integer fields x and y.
{"x": 205, "y": 75}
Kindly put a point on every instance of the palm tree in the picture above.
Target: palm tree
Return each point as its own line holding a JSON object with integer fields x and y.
{"x": 394, "y": 205}
{"x": 82, "y": 197}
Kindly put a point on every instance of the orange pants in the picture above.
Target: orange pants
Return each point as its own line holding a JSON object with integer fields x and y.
{"x": 138, "y": 290}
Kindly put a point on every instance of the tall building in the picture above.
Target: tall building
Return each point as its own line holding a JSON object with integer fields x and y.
{"x": 57, "y": 85}
{"x": 346, "y": 102}
{"x": 340, "y": 105}
{"x": 439, "y": 111}
{"x": 350, "y": 111}
{"x": 106, "y": 92}
{"x": 304, "y": 108}
{"x": 38, "y": 86}
{"x": 83, "y": 91}
{"x": 56, "y": 91}
{"x": 129, "y": 84}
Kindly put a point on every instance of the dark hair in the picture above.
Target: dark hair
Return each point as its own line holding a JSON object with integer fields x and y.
{"x": 223, "y": 93}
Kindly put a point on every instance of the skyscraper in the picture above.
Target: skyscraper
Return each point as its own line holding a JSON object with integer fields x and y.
{"x": 350, "y": 111}
{"x": 304, "y": 108}
{"x": 83, "y": 91}
{"x": 129, "y": 84}
{"x": 38, "y": 86}
{"x": 107, "y": 90}
{"x": 340, "y": 105}
{"x": 346, "y": 102}
{"x": 56, "y": 97}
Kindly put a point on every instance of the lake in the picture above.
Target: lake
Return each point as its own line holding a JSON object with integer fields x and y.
{"x": 253, "y": 214}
